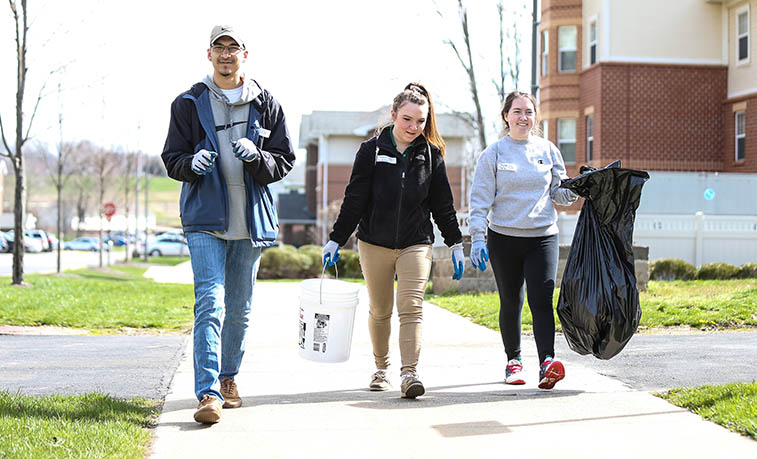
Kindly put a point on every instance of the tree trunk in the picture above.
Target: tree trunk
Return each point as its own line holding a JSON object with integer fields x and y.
{"x": 19, "y": 211}
{"x": 59, "y": 222}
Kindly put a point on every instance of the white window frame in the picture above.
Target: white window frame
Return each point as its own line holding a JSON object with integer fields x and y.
{"x": 561, "y": 50}
{"x": 544, "y": 52}
{"x": 739, "y": 135}
{"x": 744, "y": 34}
{"x": 589, "y": 137}
{"x": 561, "y": 141}
{"x": 593, "y": 41}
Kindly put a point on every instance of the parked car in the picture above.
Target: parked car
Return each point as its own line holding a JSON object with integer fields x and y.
{"x": 53, "y": 241}
{"x": 91, "y": 244}
{"x": 167, "y": 244}
{"x": 42, "y": 237}
{"x": 31, "y": 244}
{"x": 115, "y": 239}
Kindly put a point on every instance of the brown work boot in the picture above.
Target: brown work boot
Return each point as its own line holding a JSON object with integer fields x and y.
{"x": 231, "y": 397}
{"x": 209, "y": 410}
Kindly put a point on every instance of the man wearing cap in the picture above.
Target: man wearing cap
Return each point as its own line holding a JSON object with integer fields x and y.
{"x": 227, "y": 140}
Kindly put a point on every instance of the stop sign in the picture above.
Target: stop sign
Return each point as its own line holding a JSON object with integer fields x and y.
{"x": 109, "y": 209}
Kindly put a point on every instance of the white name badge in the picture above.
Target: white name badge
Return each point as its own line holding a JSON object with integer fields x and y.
{"x": 507, "y": 167}
{"x": 264, "y": 133}
{"x": 386, "y": 159}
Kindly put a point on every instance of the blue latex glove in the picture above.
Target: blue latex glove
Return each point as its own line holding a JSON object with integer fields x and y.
{"x": 203, "y": 161}
{"x": 458, "y": 261}
{"x": 330, "y": 253}
{"x": 245, "y": 149}
{"x": 479, "y": 255}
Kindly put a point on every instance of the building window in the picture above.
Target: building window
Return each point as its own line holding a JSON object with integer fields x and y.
{"x": 589, "y": 137}
{"x": 544, "y": 128}
{"x": 566, "y": 52}
{"x": 566, "y": 139}
{"x": 740, "y": 136}
{"x": 742, "y": 35}
{"x": 593, "y": 42}
{"x": 544, "y": 51}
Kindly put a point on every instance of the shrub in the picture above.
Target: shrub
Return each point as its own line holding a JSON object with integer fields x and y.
{"x": 748, "y": 271}
{"x": 283, "y": 262}
{"x": 717, "y": 271}
{"x": 349, "y": 264}
{"x": 315, "y": 257}
{"x": 668, "y": 269}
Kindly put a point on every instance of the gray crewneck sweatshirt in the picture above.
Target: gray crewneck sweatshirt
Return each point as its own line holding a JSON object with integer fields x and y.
{"x": 232, "y": 118}
{"x": 515, "y": 185}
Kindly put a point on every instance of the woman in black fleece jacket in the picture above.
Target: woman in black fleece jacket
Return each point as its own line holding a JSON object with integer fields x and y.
{"x": 398, "y": 181}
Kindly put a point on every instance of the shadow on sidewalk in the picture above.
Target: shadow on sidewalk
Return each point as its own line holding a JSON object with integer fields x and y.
{"x": 363, "y": 398}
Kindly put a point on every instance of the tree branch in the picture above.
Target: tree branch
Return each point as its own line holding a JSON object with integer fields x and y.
{"x": 39, "y": 98}
{"x": 5, "y": 142}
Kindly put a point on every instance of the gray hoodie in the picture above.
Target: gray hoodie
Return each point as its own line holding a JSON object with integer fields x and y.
{"x": 515, "y": 186}
{"x": 231, "y": 124}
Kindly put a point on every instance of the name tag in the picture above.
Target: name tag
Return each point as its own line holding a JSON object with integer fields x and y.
{"x": 386, "y": 159}
{"x": 264, "y": 133}
{"x": 507, "y": 167}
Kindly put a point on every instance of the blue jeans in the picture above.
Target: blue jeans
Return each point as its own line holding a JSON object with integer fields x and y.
{"x": 224, "y": 276}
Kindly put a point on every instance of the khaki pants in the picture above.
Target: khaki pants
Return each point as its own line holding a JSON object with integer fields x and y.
{"x": 412, "y": 266}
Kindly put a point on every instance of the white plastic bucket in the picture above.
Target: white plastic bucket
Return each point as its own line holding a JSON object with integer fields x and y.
{"x": 327, "y": 317}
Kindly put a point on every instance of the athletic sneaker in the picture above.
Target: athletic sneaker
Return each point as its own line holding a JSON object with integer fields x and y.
{"x": 550, "y": 372}
{"x": 411, "y": 386}
{"x": 379, "y": 382}
{"x": 512, "y": 372}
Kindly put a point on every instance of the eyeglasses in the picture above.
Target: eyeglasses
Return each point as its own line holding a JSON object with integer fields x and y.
{"x": 220, "y": 49}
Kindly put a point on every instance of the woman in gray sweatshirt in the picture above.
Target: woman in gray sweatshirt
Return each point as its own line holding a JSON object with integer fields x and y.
{"x": 513, "y": 220}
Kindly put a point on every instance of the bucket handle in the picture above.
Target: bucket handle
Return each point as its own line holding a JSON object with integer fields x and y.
{"x": 323, "y": 272}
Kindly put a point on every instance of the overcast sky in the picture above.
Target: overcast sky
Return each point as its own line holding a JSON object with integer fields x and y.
{"x": 125, "y": 61}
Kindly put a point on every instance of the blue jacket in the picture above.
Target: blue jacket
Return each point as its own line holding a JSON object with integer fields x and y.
{"x": 204, "y": 201}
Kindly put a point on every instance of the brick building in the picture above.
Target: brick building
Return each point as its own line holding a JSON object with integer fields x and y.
{"x": 659, "y": 85}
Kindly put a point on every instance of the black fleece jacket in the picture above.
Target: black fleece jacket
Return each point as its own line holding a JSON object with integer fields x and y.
{"x": 392, "y": 199}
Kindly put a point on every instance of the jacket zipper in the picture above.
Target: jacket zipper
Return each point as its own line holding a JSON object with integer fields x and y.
{"x": 399, "y": 207}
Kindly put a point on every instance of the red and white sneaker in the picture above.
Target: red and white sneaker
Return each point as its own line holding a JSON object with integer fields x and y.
{"x": 512, "y": 372}
{"x": 550, "y": 372}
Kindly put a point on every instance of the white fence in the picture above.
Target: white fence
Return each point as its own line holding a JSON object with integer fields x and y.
{"x": 697, "y": 239}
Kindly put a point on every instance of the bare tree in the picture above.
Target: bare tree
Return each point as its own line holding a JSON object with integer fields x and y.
{"x": 16, "y": 155}
{"x": 508, "y": 75}
{"x": 82, "y": 182}
{"x": 19, "y": 13}
{"x": 465, "y": 57}
{"x": 60, "y": 172}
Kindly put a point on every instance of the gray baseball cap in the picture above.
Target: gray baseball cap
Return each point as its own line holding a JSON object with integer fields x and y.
{"x": 225, "y": 31}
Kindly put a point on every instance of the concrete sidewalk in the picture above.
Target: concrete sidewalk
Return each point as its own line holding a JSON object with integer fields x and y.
{"x": 298, "y": 408}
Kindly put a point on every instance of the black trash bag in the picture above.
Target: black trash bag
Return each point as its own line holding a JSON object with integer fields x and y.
{"x": 599, "y": 302}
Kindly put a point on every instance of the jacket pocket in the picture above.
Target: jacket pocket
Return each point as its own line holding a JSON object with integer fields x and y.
{"x": 264, "y": 224}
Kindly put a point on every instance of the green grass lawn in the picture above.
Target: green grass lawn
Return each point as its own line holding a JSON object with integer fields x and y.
{"x": 91, "y": 425}
{"x": 102, "y": 301}
{"x": 733, "y": 406}
{"x": 712, "y": 304}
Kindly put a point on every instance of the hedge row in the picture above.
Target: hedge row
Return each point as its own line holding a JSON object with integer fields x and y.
{"x": 288, "y": 262}
{"x": 668, "y": 269}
